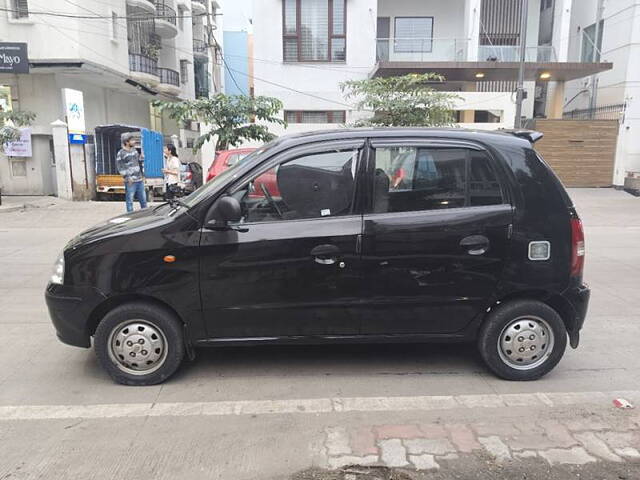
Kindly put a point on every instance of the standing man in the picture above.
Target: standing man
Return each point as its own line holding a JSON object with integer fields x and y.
{"x": 129, "y": 163}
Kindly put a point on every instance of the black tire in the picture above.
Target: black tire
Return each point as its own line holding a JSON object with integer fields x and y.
{"x": 159, "y": 320}
{"x": 503, "y": 316}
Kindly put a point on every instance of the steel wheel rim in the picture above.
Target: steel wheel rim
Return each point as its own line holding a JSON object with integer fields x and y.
{"x": 137, "y": 347}
{"x": 526, "y": 343}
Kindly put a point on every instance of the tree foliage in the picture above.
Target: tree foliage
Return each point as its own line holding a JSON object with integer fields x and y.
{"x": 403, "y": 101}
{"x": 228, "y": 117}
{"x": 10, "y": 123}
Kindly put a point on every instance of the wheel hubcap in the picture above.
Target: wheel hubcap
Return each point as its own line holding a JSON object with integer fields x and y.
{"x": 526, "y": 343}
{"x": 137, "y": 347}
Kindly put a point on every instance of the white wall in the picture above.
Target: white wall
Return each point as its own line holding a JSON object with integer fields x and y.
{"x": 319, "y": 79}
{"x": 620, "y": 45}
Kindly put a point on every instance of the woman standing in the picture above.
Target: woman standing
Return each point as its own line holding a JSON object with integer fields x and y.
{"x": 171, "y": 171}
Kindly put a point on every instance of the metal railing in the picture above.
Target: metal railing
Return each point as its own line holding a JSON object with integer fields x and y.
{"x": 143, "y": 64}
{"x": 168, "y": 76}
{"x": 511, "y": 53}
{"x": 605, "y": 112}
{"x": 165, "y": 12}
{"x": 201, "y": 2}
{"x": 199, "y": 45}
{"x": 412, "y": 49}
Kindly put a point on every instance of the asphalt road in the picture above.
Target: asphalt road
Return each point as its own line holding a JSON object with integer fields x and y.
{"x": 36, "y": 369}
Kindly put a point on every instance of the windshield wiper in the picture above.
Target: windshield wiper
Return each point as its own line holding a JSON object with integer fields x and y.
{"x": 176, "y": 202}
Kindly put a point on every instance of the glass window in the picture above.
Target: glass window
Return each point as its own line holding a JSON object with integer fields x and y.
{"x": 20, "y": 8}
{"x": 588, "y": 42}
{"x": 312, "y": 186}
{"x": 314, "y": 30}
{"x": 484, "y": 187}
{"x": 413, "y": 179}
{"x": 315, "y": 116}
{"x": 413, "y": 34}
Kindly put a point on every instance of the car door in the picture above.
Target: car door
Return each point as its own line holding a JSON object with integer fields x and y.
{"x": 292, "y": 265}
{"x": 436, "y": 237}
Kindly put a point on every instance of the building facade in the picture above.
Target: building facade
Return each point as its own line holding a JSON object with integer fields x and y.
{"x": 304, "y": 49}
{"x": 121, "y": 54}
{"x": 617, "y": 90}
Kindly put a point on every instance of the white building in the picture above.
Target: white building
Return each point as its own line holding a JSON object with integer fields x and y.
{"x": 618, "y": 90}
{"x": 305, "y": 48}
{"x": 122, "y": 54}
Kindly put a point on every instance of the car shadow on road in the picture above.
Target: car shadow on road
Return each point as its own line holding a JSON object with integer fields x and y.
{"x": 358, "y": 359}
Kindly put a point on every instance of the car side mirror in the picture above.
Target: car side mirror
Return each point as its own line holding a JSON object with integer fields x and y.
{"x": 224, "y": 210}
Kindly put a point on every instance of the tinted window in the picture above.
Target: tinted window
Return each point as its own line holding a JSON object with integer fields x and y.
{"x": 484, "y": 188}
{"x": 412, "y": 179}
{"x": 312, "y": 186}
{"x": 409, "y": 179}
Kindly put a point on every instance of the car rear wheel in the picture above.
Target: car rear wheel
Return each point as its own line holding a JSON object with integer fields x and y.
{"x": 139, "y": 344}
{"x": 522, "y": 340}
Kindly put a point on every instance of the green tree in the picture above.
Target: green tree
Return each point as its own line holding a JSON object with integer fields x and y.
{"x": 404, "y": 101}
{"x": 232, "y": 118}
{"x": 10, "y": 123}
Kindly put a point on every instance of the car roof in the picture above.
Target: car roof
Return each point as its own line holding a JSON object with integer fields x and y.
{"x": 481, "y": 136}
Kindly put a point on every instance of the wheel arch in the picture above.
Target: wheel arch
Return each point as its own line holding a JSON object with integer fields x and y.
{"x": 553, "y": 300}
{"x": 112, "y": 302}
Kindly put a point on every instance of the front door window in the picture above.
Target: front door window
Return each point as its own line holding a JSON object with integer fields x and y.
{"x": 312, "y": 186}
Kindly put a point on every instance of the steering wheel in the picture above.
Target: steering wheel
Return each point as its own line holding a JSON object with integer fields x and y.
{"x": 270, "y": 199}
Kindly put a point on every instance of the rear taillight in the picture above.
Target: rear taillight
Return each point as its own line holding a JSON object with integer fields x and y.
{"x": 577, "y": 247}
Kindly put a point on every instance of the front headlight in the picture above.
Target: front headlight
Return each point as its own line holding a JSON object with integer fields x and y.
{"x": 57, "y": 276}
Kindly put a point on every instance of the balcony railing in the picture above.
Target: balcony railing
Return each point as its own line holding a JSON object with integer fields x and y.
{"x": 511, "y": 53}
{"x": 421, "y": 49}
{"x": 165, "y": 12}
{"x": 199, "y": 45}
{"x": 143, "y": 64}
{"x": 455, "y": 50}
{"x": 202, "y": 83}
{"x": 201, "y": 2}
{"x": 168, "y": 76}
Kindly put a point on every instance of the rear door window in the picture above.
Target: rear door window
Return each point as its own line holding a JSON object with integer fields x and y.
{"x": 410, "y": 179}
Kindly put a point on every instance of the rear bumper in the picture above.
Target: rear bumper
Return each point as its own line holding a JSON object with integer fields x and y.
{"x": 69, "y": 309}
{"x": 578, "y": 297}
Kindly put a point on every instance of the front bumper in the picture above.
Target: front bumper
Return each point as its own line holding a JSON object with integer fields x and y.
{"x": 70, "y": 308}
{"x": 578, "y": 298}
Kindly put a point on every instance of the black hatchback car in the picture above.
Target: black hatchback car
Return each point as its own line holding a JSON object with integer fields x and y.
{"x": 367, "y": 235}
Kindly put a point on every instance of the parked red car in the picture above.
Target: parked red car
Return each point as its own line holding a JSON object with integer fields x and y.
{"x": 225, "y": 159}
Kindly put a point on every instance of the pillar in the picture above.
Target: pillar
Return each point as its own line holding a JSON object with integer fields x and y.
{"x": 63, "y": 161}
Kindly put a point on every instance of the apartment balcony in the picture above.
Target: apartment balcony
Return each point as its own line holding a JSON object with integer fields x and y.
{"x": 202, "y": 82}
{"x": 169, "y": 82}
{"x": 147, "y": 6}
{"x": 460, "y": 59}
{"x": 166, "y": 19}
{"x": 200, "y": 49}
{"x": 144, "y": 69}
{"x": 199, "y": 7}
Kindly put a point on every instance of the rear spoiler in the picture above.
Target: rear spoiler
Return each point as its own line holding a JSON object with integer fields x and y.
{"x": 530, "y": 135}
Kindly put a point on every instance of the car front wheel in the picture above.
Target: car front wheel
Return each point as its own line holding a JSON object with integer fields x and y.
{"x": 139, "y": 344}
{"x": 522, "y": 340}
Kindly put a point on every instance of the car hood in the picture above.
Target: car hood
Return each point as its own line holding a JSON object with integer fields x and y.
{"x": 123, "y": 224}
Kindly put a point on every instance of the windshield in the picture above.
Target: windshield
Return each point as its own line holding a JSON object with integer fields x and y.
{"x": 205, "y": 190}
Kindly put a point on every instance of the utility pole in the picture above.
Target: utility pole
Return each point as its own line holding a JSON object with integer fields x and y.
{"x": 523, "y": 57}
{"x": 594, "y": 78}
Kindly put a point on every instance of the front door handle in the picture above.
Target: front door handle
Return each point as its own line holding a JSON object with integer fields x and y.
{"x": 325, "y": 254}
{"x": 475, "y": 244}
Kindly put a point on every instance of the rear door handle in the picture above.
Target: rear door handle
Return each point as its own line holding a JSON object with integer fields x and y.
{"x": 475, "y": 244}
{"x": 325, "y": 254}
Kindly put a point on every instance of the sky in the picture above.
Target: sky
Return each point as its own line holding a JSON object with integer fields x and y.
{"x": 236, "y": 14}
